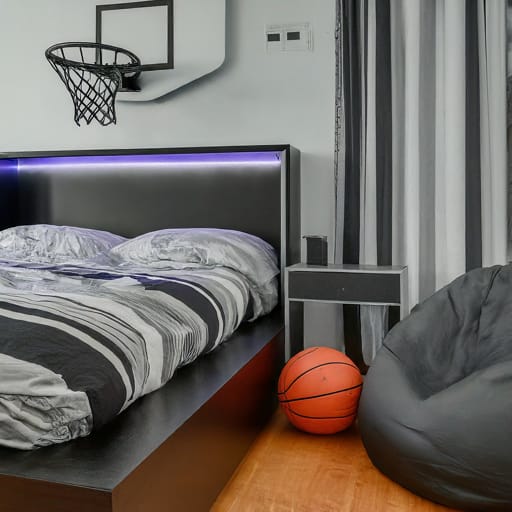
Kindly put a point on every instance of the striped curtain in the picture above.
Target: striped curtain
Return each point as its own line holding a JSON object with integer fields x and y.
{"x": 509, "y": 125}
{"x": 421, "y": 159}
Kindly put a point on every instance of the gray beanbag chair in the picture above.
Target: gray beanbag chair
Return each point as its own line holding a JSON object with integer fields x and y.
{"x": 436, "y": 409}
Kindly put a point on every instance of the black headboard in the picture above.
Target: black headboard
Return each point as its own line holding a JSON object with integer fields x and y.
{"x": 251, "y": 188}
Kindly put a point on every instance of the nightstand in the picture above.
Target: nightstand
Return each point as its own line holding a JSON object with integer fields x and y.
{"x": 339, "y": 284}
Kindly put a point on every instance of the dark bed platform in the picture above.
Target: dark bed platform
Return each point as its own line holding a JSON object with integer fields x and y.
{"x": 176, "y": 448}
{"x": 173, "y": 449}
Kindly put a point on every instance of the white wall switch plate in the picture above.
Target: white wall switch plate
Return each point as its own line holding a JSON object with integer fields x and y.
{"x": 274, "y": 38}
{"x": 298, "y": 37}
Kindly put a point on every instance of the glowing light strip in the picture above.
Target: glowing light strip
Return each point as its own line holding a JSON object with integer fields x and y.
{"x": 9, "y": 166}
{"x": 150, "y": 160}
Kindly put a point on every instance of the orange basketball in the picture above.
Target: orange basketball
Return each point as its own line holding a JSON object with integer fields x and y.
{"x": 319, "y": 390}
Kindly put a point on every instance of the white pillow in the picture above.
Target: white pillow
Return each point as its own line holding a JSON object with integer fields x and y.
{"x": 192, "y": 247}
{"x": 46, "y": 243}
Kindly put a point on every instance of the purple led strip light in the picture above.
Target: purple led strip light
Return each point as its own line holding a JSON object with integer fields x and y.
{"x": 149, "y": 160}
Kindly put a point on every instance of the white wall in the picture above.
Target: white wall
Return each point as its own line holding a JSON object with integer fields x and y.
{"x": 254, "y": 98}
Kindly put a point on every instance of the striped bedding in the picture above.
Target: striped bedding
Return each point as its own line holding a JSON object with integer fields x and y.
{"x": 78, "y": 345}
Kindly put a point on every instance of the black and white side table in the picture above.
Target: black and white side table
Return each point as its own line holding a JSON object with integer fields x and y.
{"x": 339, "y": 284}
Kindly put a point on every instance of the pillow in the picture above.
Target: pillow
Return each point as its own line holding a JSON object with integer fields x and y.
{"x": 247, "y": 254}
{"x": 46, "y": 243}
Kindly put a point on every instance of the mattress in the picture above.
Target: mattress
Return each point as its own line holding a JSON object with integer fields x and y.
{"x": 79, "y": 344}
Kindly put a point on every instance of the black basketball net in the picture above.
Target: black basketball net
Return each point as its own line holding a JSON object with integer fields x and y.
{"x": 93, "y": 93}
{"x": 92, "y": 85}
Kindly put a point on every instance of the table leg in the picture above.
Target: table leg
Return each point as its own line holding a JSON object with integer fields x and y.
{"x": 294, "y": 321}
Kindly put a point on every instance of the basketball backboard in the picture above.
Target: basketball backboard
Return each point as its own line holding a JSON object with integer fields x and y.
{"x": 146, "y": 28}
{"x": 177, "y": 41}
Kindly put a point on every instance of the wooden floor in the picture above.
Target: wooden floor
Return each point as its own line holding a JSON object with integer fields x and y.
{"x": 287, "y": 470}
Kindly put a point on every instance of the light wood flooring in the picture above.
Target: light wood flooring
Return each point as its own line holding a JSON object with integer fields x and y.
{"x": 287, "y": 470}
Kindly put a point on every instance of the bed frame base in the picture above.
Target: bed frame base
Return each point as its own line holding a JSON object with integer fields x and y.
{"x": 187, "y": 471}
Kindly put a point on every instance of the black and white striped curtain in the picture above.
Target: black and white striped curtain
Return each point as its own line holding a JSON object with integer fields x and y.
{"x": 421, "y": 158}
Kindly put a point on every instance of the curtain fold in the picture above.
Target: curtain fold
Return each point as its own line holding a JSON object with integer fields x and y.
{"x": 493, "y": 112}
{"x": 349, "y": 53}
{"x": 473, "y": 134}
{"x": 425, "y": 167}
{"x": 376, "y": 227}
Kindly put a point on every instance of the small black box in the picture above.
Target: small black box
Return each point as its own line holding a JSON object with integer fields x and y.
{"x": 316, "y": 249}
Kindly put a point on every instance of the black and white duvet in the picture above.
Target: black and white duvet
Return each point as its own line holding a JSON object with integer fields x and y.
{"x": 78, "y": 345}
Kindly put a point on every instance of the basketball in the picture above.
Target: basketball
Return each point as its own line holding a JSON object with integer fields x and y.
{"x": 319, "y": 390}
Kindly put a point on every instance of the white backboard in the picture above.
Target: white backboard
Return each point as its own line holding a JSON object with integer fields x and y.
{"x": 178, "y": 41}
{"x": 145, "y": 28}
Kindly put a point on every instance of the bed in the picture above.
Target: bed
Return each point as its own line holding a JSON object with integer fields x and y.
{"x": 175, "y": 448}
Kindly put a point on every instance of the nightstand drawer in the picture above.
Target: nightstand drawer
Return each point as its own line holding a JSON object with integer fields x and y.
{"x": 345, "y": 287}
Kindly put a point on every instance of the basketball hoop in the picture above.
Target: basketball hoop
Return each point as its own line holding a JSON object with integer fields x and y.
{"x": 93, "y": 73}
